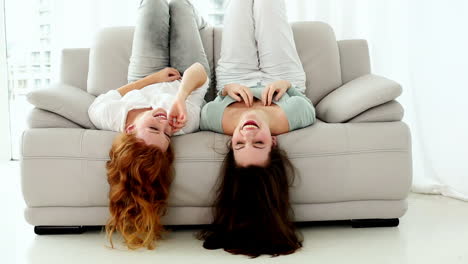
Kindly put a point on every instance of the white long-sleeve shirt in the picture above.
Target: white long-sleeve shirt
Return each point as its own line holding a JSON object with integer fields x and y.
{"x": 109, "y": 111}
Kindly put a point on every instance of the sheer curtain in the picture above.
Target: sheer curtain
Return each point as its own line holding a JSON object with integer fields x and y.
{"x": 422, "y": 44}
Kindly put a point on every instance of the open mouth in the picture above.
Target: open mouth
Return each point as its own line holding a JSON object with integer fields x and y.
{"x": 250, "y": 124}
{"x": 161, "y": 115}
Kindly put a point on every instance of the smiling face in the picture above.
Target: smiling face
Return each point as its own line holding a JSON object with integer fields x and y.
{"x": 153, "y": 127}
{"x": 252, "y": 140}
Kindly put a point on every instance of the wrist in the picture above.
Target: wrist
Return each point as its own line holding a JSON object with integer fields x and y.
{"x": 286, "y": 84}
{"x": 147, "y": 81}
{"x": 152, "y": 78}
{"x": 181, "y": 95}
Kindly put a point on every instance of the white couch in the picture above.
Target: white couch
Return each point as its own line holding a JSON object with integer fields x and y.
{"x": 354, "y": 163}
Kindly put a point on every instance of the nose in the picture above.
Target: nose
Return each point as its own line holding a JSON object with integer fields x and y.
{"x": 248, "y": 134}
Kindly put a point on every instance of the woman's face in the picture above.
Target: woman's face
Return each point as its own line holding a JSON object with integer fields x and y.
{"x": 153, "y": 127}
{"x": 252, "y": 140}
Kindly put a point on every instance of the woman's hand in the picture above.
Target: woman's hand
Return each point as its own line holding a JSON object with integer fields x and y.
{"x": 239, "y": 93}
{"x": 278, "y": 87}
{"x": 165, "y": 75}
{"x": 178, "y": 115}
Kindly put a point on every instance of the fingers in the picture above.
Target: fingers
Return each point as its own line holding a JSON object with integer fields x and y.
{"x": 271, "y": 92}
{"x": 178, "y": 125}
{"x": 172, "y": 72}
{"x": 177, "y": 119}
{"x": 280, "y": 94}
{"x": 234, "y": 96}
{"x": 264, "y": 95}
{"x": 250, "y": 95}
{"x": 267, "y": 94}
{"x": 174, "y": 77}
{"x": 245, "y": 97}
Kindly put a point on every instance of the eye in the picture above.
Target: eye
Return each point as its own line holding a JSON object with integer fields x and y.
{"x": 154, "y": 128}
{"x": 259, "y": 142}
{"x": 239, "y": 145}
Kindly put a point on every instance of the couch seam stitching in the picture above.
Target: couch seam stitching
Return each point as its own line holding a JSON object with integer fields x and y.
{"x": 291, "y": 156}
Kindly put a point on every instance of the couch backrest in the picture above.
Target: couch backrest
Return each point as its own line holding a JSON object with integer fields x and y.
{"x": 315, "y": 43}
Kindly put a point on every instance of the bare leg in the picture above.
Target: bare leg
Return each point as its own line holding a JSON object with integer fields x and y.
{"x": 276, "y": 47}
{"x": 150, "y": 50}
{"x": 239, "y": 56}
{"x": 186, "y": 46}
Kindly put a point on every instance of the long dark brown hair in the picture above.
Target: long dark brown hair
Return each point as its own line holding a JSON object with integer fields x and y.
{"x": 252, "y": 214}
{"x": 139, "y": 176}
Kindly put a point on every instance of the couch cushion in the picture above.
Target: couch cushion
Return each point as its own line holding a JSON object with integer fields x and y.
{"x": 335, "y": 163}
{"x": 391, "y": 111}
{"x": 73, "y": 61}
{"x": 317, "y": 47}
{"x": 207, "y": 39}
{"x": 64, "y": 100}
{"x": 108, "y": 59}
{"x": 354, "y": 59}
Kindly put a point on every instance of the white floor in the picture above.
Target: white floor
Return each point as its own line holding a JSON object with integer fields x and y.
{"x": 434, "y": 230}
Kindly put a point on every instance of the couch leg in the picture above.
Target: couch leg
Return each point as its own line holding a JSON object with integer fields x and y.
{"x": 63, "y": 230}
{"x": 359, "y": 223}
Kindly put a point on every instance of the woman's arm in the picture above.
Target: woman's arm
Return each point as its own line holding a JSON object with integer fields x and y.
{"x": 194, "y": 77}
{"x": 165, "y": 75}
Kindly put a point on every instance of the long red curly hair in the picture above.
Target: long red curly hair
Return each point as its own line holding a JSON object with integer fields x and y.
{"x": 139, "y": 176}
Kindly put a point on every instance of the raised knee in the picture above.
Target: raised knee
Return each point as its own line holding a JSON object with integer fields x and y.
{"x": 179, "y": 4}
{"x": 153, "y": 3}
{"x": 267, "y": 3}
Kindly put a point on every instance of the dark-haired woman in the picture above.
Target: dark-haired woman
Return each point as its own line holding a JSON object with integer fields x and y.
{"x": 261, "y": 86}
{"x": 158, "y": 102}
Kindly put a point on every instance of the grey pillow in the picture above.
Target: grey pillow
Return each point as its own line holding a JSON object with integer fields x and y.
{"x": 65, "y": 100}
{"x": 355, "y": 97}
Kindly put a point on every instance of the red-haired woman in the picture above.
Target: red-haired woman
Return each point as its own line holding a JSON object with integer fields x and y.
{"x": 157, "y": 103}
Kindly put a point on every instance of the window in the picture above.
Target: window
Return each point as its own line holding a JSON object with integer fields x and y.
{"x": 35, "y": 58}
{"x": 30, "y": 32}
{"x": 45, "y": 30}
{"x": 22, "y": 84}
{"x": 47, "y": 57}
{"x": 45, "y": 43}
{"x": 36, "y": 69}
{"x": 212, "y": 10}
{"x": 37, "y": 83}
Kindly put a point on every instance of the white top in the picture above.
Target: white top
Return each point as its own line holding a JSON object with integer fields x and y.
{"x": 109, "y": 111}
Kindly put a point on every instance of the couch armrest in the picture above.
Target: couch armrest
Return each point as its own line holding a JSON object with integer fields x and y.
{"x": 357, "y": 96}
{"x": 74, "y": 67}
{"x": 388, "y": 112}
{"x": 65, "y": 100}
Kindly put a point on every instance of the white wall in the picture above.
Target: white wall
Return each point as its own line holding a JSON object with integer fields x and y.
{"x": 5, "y": 146}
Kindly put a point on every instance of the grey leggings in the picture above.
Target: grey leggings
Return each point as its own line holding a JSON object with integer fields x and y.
{"x": 166, "y": 35}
